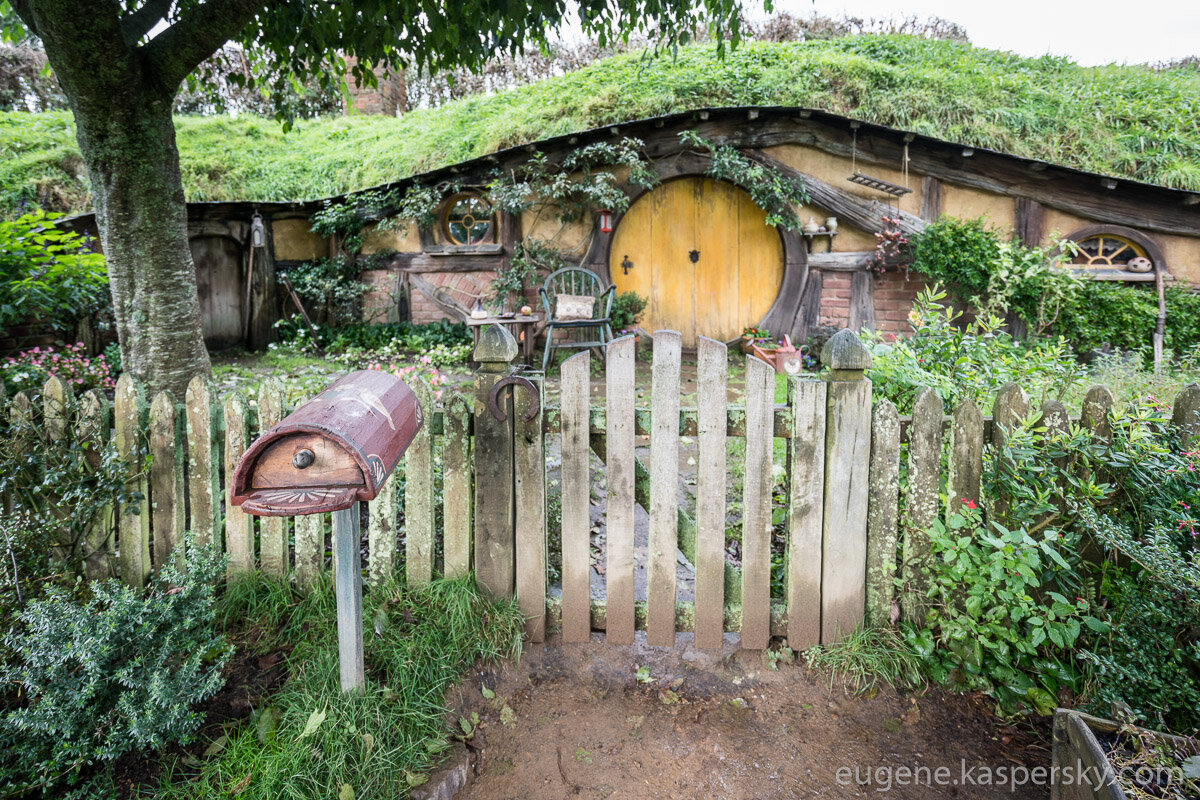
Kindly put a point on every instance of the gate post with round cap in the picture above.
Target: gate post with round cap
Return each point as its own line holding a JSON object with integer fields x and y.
{"x": 495, "y": 525}
{"x": 330, "y": 454}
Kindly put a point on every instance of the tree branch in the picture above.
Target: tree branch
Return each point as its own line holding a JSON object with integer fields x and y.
{"x": 140, "y": 22}
{"x": 196, "y": 36}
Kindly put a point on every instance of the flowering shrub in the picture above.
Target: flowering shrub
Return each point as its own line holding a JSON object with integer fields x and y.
{"x": 891, "y": 246}
{"x": 29, "y": 370}
{"x": 424, "y": 370}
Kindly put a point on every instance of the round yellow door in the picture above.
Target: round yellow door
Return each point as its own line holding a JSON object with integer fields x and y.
{"x": 703, "y": 255}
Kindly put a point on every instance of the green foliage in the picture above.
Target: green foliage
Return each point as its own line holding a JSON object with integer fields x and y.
{"x": 772, "y": 192}
{"x": 444, "y": 341}
{"x": 996, "y": 621}
{"x": 529, "y": 259}
{"x": 58, "y": 486}
{"x": 627, "y": 307}
{"x": 993, "y": 275}
{"x": 866, "y": 657}
{"x": 330, "y": 289}
{"x": 419, "y": 642}
{"x": 965, "y": 361}
{"x": 46, "y": 274}
{"x": 1042, "y": 108}
{"x": 112, "y": 671}
{"x": 1123, "y": 317}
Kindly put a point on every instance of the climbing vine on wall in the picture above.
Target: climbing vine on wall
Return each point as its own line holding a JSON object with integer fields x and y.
{"x": 774, "y": 193}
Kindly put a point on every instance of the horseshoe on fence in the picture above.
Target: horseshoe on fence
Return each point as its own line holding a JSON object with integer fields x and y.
{"x": 514, "y": 380}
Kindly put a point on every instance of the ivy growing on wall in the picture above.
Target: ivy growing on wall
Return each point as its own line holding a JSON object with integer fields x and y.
{"x": 773, "y": 192}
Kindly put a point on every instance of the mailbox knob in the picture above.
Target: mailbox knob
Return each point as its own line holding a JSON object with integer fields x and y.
{"x": 303, "y": 459}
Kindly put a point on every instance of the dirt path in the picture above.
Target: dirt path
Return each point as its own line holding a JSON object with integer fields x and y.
{"x": 581, "y": 724}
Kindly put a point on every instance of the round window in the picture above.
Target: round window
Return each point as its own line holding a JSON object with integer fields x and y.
{"x": 469, "y": 219}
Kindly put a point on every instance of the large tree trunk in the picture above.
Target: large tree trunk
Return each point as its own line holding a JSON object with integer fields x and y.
{"x": 133, "y": 163}
{"x": 122, "y": 101}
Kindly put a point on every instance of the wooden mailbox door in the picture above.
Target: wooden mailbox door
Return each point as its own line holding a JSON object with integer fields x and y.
{"x": 738, "y": 265}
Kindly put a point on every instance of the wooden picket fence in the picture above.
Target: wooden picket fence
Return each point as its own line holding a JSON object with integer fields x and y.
{"x": 846, "y": 530}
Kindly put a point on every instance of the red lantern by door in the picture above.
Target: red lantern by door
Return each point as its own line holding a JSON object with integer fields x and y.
{"x": 606, "y": 221}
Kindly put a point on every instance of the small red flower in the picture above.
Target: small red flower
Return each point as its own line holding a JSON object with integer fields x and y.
{"x": 970, "y": 504}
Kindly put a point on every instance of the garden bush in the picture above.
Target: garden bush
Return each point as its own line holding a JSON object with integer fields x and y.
{"x": 47, "y": 274}
{"x": 1105, "y": 315}
{"x": 29, "y": 371}
{"x": 105, "y": 669}
{"x": 446, "y": 343}
{"x": 965, "y": 360}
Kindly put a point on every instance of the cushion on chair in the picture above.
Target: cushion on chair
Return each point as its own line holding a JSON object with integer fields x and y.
{"x": 570, "y": 307}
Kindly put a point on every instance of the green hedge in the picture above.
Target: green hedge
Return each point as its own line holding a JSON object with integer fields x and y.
{"x": 1124, "y": 317}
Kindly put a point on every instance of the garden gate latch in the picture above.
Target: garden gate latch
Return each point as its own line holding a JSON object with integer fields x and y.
{"x": 514, "y": 380}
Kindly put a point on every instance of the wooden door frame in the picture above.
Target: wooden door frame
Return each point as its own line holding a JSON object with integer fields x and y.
{"x": 781, "y": 316}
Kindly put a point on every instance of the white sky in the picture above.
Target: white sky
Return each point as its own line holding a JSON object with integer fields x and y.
{"x": 1091, "y": 33}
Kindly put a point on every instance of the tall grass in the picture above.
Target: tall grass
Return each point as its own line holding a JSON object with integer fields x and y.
{"x": 1128, "y": 121}
{"x": 313, "y": 740}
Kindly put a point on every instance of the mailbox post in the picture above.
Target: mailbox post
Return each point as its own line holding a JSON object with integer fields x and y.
{"x": 328, "y": 455}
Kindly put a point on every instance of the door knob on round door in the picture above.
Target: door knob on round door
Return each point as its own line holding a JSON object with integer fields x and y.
{"x": 694, "y": 255}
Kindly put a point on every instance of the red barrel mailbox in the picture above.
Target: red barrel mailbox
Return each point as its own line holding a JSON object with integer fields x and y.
{"x": 332, "y": 451}
{"x": 327, "y": 455}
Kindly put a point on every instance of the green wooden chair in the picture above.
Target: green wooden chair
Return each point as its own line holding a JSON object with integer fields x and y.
{"x": 565, "y": 298}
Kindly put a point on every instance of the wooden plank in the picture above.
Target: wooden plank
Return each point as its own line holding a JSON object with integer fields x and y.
{"x": 806, "y": 490}
{"x": 844, "y": 538}
{"x": 664, "y": 488}
{"x": 384, "y": 513}
{"x": 133, "y": 537}
{"x": 1028, "y": 221}
{"x": 310, "y": 548}
{"x": 1186, "y": 415}
{"x": 576, "y": 490}
{"x": 204, "y": 459}
{"x": 418, "y": 496}
{"x": 862, "y": 301}
{"x": 529, "y": 465}
{"x": 711, "y": 397}
{"x": 808, "y": 311}
{"x": 239, "y": 526}
{"x": 756, "y": 506}
{"x": 92, "y": 432}
{"x": 348, "y": 590}
{"x": 494, "y": 533}
{"x": 54, "y": 408}
{"x": 921, "y": 496}
{"x": 273, "y": 532}
{"x": 931, "y": 199}
{"x": 167, "y": 493}
{"x": 735, "y": 421}
{"x": 619, "y": 473}
{"x": 883, "y": 511}
{"x": 456, "y": 487}
{"x": 966, "y": 458}
{"x": 1009, "y": 409}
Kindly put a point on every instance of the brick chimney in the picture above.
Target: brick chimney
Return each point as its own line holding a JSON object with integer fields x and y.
{"x": 390, "y": 97}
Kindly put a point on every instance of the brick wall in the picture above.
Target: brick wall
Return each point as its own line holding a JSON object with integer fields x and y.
{"x": 835, "y": 299}
{"x": 894, "y": 293}
{"x": 462, "y": 286}
{"x": 390, "y": 97}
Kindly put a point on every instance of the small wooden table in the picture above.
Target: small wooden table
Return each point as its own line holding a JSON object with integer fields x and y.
{"x": 524, "y": 332}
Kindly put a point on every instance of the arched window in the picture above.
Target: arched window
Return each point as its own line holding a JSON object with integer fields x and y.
{"x": 1115, "y": 253}
{"x": 469, "y": 219}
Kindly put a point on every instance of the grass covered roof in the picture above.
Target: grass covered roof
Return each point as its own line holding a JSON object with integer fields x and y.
{"x": 1125, "y": 121}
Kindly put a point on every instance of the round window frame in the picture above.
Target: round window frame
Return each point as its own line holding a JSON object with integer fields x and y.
{"x": 448, "y": 206}
{"x": 1131, "y": 235}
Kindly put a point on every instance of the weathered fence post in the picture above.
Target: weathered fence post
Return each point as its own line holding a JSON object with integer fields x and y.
{"x": 921, "y": 497}
{"x": 166, "y": 482}
{"x": 129, "y": 408}
{"x": 273, "y": 544}
{"x": 92, "y": 429}
{"x": 418, "y": 496}
{"x": 576, "y": 485}
{"x": 494, "y": 525}
{"x": 204, "y": 459}
{"x": 456, "y": 487}
{"x": 966, "y": 457}
{"x": 1187, "y": 415}
{"x": 618, "y": 576}
{"x": 883, "y": 510}
{"x": 664, "y": 489}
{"x": 847, "y": 466}
{"x": 711, "y": 407}
{"x": 1010, "y": 408}
{"x": 806, "y": 509}
{"x": 756, "y": 505}
{"x": 239, "y": 526}
{"x": 529, "y": 484}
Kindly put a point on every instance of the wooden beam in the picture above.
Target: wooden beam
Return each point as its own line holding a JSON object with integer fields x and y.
{"x": 862, "y": 300}
{"x": 931, "y": 199}
{"x": 1029, "y": 221}
{"x": 855, "y": 261}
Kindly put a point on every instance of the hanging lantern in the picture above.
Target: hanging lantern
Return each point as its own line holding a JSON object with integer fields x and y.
{"x": 258, "y": 231}
{"x": 606, "y": 221}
